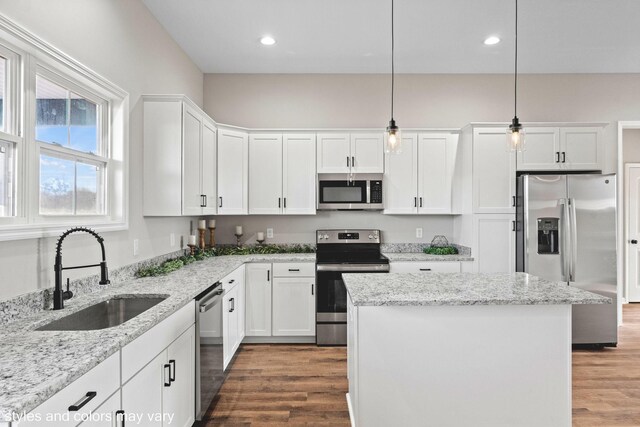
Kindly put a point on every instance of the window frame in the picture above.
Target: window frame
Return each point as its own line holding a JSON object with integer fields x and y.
{"x": 35, "y": 56}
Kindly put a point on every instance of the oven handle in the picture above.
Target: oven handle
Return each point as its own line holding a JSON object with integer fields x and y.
{"x": 353, "y": 268}
{"x": 211, "y": 302}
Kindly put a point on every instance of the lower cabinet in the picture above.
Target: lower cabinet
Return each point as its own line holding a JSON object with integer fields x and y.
{"x": 424, "y": 267}
{"x": 143, "y": 393}
{"x": 494, "y": 243}
{"x": 107, "y": 415}
{"x": 233, "y": 312}
{"x": 258, "y": 302}
{"x": 294, "y": 306}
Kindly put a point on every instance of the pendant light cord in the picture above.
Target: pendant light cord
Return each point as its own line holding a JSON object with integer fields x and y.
{"x": 515, "y": 84}
{"x": 392, "y": 60}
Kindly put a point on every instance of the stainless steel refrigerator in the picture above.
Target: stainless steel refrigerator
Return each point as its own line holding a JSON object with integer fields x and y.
{"x": 567, "y": 233}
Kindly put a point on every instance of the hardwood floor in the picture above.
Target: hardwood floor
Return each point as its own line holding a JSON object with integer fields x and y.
{"x": 306, "y": 385}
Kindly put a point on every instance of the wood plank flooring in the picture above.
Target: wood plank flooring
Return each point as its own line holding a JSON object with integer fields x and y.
{"x": 305, "y": 385}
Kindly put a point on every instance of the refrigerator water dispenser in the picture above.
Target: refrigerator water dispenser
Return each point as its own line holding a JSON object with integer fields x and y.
{"x": 548, "y": 236}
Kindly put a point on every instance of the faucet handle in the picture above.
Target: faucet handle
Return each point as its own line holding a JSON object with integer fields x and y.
{"x": 67, "y": 294}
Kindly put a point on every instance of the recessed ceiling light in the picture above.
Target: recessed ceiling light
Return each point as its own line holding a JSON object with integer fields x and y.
{"x": 491, "y": 40}
{"x": 268, "y": 40}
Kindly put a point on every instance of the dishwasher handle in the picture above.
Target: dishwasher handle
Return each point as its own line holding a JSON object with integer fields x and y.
{"x": 210, "y": 302}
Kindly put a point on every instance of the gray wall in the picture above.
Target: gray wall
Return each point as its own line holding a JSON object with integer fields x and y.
{"x": 348, "y": 101}
{"x": 123, "y": 42}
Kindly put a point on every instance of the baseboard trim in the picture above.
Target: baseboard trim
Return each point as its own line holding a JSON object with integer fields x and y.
{"x": 279, "y": 340}
{"x": 351, "y": 417}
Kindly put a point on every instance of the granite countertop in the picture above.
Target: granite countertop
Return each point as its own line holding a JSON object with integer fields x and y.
{"x": 421, "y": 256}
{"x": 405, "y": 289}
{"x": 38, "y": 364}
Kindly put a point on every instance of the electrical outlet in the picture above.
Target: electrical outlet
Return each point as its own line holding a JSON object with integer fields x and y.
{"x": 172, "y": 239}
{"x": 269, "y": 233}
{"x": 419, "y": 232}
{"x": 136, "y": 247}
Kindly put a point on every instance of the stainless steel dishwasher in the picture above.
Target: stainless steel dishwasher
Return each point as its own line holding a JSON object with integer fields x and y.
{"x": 209, "y": 347}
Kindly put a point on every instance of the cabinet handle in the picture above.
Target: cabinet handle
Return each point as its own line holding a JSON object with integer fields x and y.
{"x": 634, "y": 242}
{"x": 120, "y": 417}
{"x": 220, "y": 202}
{"x": 420, "y": 201}
{"x": 557, "y": 157}
{"x": 513, "y": 226}
{"x": 353, "y": 161}
{"x": 425, "y": 269}
{"x": 348, "y": 165}
{"x": 513, "y": 201}
{"x": 205, "y": 201}
{"x": 294, "y": 269}
{"x": 85, "y": 399}
{"x": 268, "y": 275}
{"x": 312, "y": 289}
{"x": 172, "y": 370}
{"x": 284, "y": 203}
{"x": 279, "y": 202}
{"x": 167, "y": 377}
{"x": 231, "y": 281}
{"x": 233, "y": 305}
{"x": 415, "y": 202}
{"x": 564, "y": 157}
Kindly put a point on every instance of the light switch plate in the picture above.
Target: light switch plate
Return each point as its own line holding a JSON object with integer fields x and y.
{"x": 419, "y": 232}
{"x": 269, "y": 233}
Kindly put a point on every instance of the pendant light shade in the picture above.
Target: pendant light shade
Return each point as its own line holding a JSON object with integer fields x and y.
{"x": 515, "y": 133}
{"x": 393, "y": 137}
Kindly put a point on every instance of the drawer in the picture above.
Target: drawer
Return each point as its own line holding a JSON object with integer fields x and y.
{"x": 425, "y": 267}
{"x": 232, "y": 279}
{"x": 294, "y": 269}
{"x": 143, "y": 349}
{"x": 103, "y": 380}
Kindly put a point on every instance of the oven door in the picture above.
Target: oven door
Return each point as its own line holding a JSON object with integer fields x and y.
{"x": 331, "y": 297}
{"x": 341, "y": 194}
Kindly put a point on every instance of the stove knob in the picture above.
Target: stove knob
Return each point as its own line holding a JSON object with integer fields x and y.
{"x": 326, "y": 236}
{"x": 370, "y": 236}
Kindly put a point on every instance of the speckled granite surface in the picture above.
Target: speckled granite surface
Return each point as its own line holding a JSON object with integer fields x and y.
{"x": 38, "y": 364}
{"x": 421, "y": 256}
{"x": 418, "y": 247}
{"x": 406, "y": 289}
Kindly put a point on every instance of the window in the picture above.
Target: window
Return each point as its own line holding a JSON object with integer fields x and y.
{"x": 3, "y": 90}
{"x": 72, "y": 155}
{"x": 6, "y": 179}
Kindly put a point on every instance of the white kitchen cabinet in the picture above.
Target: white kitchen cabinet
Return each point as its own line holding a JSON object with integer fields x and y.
{"x": 294, "y": 306}
{"x": 233, "y": 172}
{"x": 179, "y": 160}
{"x": 562, "y": 148}
{"x": 230, "y": 324}
{"x": 494, "y": 172}
{"x": 419, "y": 180}
{"x": 258, "y": 299}
{"x": 494, "y": 243}
{"x": 424, "y": 267}
{"x": 105, "y": 414}
{"x": 178, "y": 399}
{"x": 265, "y": 174}
{"x": 143, "y": 393}
{"x": 346, "y": 153}
{"x": 282, "y": 178}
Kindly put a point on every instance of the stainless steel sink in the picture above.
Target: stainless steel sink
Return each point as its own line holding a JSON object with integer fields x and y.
{"x": 105, "y": 314}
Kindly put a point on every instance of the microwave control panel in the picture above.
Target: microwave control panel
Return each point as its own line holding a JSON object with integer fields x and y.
{"x": 376, "y": 192}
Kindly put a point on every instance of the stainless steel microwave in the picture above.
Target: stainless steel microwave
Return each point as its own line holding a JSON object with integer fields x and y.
{"x": 337, "y": 192}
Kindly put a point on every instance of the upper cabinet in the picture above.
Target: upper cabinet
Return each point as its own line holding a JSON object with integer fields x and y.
{"x": 494, "y": 172}
{"x": 233, "y": 168}
{"x": 179, "y": 167}
{"x": 350, "y": 153}
{"x": 419, "y": 179}
{"x": 282, "y": 176}
{"x": 562, "y": 148}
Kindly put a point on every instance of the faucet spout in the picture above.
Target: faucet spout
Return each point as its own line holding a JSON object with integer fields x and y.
{"x": 58, "y": 294}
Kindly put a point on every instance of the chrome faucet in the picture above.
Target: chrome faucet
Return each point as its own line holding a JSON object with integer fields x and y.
{"x": 59, "y": 296}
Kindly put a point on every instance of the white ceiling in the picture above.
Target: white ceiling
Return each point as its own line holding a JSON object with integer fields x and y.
{"x": 432, "y": 36}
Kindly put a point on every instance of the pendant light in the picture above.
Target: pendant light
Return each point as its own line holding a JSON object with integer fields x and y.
{"x": 515, "y": 133}
{"x": 393, "y": 137}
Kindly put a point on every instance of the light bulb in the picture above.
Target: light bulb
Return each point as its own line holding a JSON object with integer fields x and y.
{"x": 515, "y": 139}
{"x": 393, "y": 139}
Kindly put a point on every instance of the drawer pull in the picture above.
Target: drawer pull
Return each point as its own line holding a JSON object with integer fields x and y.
{"x": 85, "y": 399}
{"x": 120, "y": 417}
{"x": 294, "y": 269}
{"x": 312, "y": 292}
{"x": 167, "y": 377}
{"x": 425, "y": 269}
{"x": 172, "y": 370}
{"x": 232, "y": 280}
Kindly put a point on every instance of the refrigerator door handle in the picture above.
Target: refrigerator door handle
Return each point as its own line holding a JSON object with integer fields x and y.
{"x": 574, "y": 241}
{"x": 566, "y": 233}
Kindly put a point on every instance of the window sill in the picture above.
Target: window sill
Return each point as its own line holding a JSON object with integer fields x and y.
{"x": 37, "y": 231}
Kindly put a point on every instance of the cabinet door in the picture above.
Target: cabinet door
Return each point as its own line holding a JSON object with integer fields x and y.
{"x": 230, "y": 325}
{"x": 334, "y": 153}
{"x": 192, "y": 200}
{"x": 435, "y": 173}
{"x": 367, "y": 153}
{"x": 105, "y": 415}
{"x": 494, "y": 172}
{"x": 241, "y": 309}
{"x": 233, "y": 179}
{"x": 299, "y": 174}
{"x": 179, "y": 398}
{"x": 582, "y": 147}
{"x": 258, "y": 300}
{"x": 294, "y": 306}
{"x": 143, "y": 393}
{"x": 208, "y": 168}
{"x": 494, "y": 237}
{"x": 400, "y": 181}
{"x": 265, "y": 174}
{"x": 542, "y": 150}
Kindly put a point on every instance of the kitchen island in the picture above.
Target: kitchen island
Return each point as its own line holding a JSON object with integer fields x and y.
{"x": 460, "y": 349}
